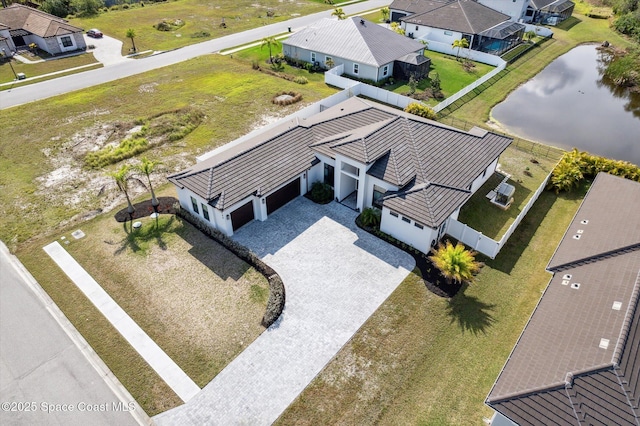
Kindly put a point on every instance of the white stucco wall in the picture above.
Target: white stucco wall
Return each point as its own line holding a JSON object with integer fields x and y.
{"x": 407, "y": 232}
{"x": 345, "y": 179}
{"x": 515, "y": 9}
{"x": 431, "y": 34}
{"x": 364, "y": 71}
{"x": 483, "y": 177}
{"x": 370, "y": 181}
{"x": 216, "y": 220}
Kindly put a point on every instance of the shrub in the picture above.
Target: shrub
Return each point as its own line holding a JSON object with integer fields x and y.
{"x": 201, "y": 34}
{"x": 456, "y": 263}
{"x": 575, "y": 166}
{"x": 321, "y": 193}
{"x": 371, "y": 217}
{"x": 111, "y": 155}
{"x": 421, "y": 110}
{"x": 288, "y": 98}
{"x": 301, "y": 80}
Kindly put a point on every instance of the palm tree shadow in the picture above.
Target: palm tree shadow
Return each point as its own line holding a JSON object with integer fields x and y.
{"x": 135, "y": 237}
{"x": 470, "y": 313}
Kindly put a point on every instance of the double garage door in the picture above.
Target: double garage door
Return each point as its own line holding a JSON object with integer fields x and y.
{"x": 282, "y": 196}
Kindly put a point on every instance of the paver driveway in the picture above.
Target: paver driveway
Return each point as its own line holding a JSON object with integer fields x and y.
{"x": 335, "y": 276}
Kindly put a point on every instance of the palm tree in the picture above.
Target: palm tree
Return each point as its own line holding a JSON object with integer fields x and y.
{"x": 530, "y": 35}
{"x": 131, "y": 33}
{"x": 269, "y": 42}
{"x": 385, "y": 13}
{"x": 147, "y": 167}
{"x": 121, "y": 176}
{"x": 339, "y": 13}
{"x": 455, "y": 262}
{"x": 463, "y": 42}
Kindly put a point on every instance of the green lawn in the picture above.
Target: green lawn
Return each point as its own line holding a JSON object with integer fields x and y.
{"x": 526, "y": 176}
{"x": 200, "y": 17}
{"x": 453, "y": 77}
{"x": 51, "y": 133}
{"x": 41, "y": 68}
{"x": 424, "y": 360}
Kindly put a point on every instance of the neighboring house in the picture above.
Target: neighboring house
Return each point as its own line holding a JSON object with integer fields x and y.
{"x": 367, "y": 51}
{"x": 550, "y": 12}
{"x": 445, "y": 21}
{"x": 22, "y": 25}
{"x": 577, "y": 361}
{"x": 418, "y": 172}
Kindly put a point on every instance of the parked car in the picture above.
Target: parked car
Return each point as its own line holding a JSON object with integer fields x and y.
{"x": 94, "y": 33}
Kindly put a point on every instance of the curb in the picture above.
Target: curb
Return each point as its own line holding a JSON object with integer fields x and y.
{"x": 96, "y": 362}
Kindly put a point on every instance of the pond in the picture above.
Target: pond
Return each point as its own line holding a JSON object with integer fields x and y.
{"x": 570, "y": 104}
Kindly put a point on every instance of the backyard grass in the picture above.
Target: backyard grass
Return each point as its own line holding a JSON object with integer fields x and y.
{"x": 199, "y": 302}
{"x": 44, "y": 177}
{"x": 421, "y": 359}
{"x": 578, "y": 30}
{"x": 526, "y": 177}
{"x": 201, "y": 19}
{"x": 453, "y": 77}
{"x": 41, "y": 68}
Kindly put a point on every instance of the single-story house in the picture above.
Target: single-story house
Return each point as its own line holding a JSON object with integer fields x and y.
{"x": 485, "y": 29}
{"x": 418, "y": 172}
{"x": 577, "y": 361}
{"x": 22, "y": 25}
{"x": 367, "y": 50}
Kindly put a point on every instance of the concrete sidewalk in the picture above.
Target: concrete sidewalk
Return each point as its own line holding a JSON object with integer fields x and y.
{"x": 45, "y": 361}
{"x": 181, "y": 384}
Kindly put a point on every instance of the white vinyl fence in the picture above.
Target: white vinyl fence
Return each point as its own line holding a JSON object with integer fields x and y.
{"x": 484, "y": 244}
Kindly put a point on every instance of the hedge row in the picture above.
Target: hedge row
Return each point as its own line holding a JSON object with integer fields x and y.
{"x": 275, "y": 304}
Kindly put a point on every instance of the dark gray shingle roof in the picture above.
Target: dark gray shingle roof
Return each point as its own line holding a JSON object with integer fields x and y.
{"x": 20, "y": 17}
{"x": 561, "y": 372}
{"x": 400, "y": 149}
{"x": 465, "y": 16}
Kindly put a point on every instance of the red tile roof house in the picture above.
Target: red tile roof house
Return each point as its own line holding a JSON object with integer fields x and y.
{"x": 418, "y": 172}
{"x": 577, "y": 362}
{"x": 22, "y": 25}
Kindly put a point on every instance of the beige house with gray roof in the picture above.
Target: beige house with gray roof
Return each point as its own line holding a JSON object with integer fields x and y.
{"x": 22, "y": 25}
{"x": 418, "y": 172}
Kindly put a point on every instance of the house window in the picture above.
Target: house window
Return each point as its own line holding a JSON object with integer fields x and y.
{"x": 392, "y": 213}
{"x": 313, "y": 57}
{"x": 448, "y": 33}
{"x": 385, "y": 70}
{"x": 355, "y": 68}
{"x": 66, "y": 41}
{"x": 205, "y": 212}
{"x": 406, "y": 219}
{"x": 329, "y": 172}
{"x": 378, "y": 193}
{"x": 417, "y": 225}
{"x": 194, "y": 205}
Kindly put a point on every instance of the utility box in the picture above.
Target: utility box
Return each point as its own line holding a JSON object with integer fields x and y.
{"x": 21, "y": 76}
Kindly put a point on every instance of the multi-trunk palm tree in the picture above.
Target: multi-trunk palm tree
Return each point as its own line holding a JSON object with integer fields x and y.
{"x": 460, "y": 43}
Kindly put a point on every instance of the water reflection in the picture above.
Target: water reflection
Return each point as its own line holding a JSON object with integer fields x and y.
{"x": 571, "y": 104}
{"x": 632, "y": 100}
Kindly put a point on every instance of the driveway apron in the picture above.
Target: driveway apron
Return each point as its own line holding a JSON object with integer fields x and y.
{"x": 335, "y": 276}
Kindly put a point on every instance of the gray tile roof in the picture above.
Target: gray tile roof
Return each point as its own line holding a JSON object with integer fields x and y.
{"x": 439, "y": 160}
{"x": 17, "y": 16}
{"x": 417, "y": 6}
{"x": 465, "y": 16}
{"x": 560, "y": 372}
{"x": 366, "y": 43}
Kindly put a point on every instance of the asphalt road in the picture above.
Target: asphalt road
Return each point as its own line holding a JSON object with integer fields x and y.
{"x": 58, "y": 86}
{"x": 45, "y": 379}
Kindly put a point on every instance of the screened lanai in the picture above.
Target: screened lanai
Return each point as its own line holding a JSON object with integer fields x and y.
{"x": 499, "y": 39}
